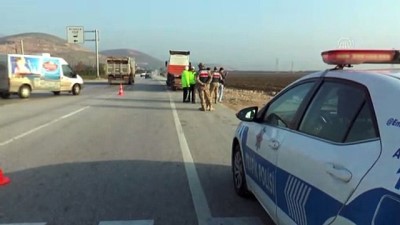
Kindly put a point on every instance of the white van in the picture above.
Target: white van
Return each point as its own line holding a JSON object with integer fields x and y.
{"x": 22, "y": 74}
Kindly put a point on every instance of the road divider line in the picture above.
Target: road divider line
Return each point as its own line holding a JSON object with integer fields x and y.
{"x": 199, "y": 198}
{"x": 74, "y": 112}
{"x": 42, "y": 126}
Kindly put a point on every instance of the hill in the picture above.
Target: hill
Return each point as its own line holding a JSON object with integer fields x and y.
{"x": 142, "y": 59}
{"x": 37, "y": 43}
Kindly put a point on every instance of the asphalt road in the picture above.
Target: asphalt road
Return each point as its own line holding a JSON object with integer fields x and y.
{"x": 98, "y": 158}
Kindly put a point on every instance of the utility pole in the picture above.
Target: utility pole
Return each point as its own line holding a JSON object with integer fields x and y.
{"x": 96, "y": 36}
{"x": 277, "y": 65}
{"x": 291, "y": 67}
{"x": 22, "y": 47}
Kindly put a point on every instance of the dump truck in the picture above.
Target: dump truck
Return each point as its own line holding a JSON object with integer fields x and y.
{"x": 178, "y": 60}
{"x": 121, "y": 69}
{"x": 21, "y": 74}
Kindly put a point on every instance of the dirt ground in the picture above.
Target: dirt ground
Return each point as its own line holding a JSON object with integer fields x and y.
{"x": 237, "y": 99}
{"x": 245, "y": 89}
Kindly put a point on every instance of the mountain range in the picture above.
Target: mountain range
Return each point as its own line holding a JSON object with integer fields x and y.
{"x": 38, "y": 43}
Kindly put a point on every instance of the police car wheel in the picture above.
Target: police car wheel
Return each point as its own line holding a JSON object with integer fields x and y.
{"x": 239, "y": 178}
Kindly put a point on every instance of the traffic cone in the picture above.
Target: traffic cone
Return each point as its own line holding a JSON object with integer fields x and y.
{"x": 3, "y": 179}
{"x": 121, "y": 90}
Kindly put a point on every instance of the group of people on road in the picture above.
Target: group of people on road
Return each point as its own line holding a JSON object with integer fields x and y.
{"x": 209, "y": 85}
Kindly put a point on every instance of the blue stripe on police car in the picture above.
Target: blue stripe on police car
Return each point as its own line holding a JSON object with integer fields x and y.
{"x": 308, "y": 205}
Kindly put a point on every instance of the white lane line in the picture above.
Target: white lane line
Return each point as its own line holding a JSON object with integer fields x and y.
{"x": 198, "y": 196}
{"x": 128, "y": 222}
{"x": 41, "y": 126}
{"x": 74, "y": 112}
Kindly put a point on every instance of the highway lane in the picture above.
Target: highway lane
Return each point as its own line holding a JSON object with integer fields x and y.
{"x": 142, "y": 158}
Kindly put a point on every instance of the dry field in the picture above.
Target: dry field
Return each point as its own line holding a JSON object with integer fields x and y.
{"x": 255, "y": 88}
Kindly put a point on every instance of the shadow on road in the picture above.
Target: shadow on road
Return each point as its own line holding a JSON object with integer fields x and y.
{"x": 146, "y": 107}
{"x": 89, "y": 192}
{"x": 134, "y": 100}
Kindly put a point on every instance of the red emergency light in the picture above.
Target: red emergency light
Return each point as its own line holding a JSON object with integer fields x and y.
{"x": 346, "y": 57}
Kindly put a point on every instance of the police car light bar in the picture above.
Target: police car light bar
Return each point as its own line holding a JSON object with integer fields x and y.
{"x": 346, "y": 57}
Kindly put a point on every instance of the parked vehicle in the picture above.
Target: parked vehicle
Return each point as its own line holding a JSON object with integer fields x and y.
{"x": 121, "y": 69}
{"x": 178, "y": 60}
{"x": 325, "y": 150}
{"x": 22, "y": 74}
{"x": 141, "y": 72}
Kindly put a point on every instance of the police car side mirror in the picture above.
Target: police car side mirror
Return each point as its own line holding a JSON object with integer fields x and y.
{"x": 247, "y": 114}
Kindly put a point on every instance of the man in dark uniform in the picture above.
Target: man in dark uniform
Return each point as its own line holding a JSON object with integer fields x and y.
{"x": 203, "y": 80}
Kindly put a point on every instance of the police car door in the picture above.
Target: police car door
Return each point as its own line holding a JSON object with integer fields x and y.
{"x": 319, "y": 166}
{"x": 263, "y": 142}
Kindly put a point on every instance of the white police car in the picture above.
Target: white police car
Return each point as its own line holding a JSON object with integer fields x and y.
{"x": 326, "y": 149}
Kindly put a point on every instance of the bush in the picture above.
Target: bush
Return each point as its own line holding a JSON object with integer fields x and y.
{"x": 88, "y": 71}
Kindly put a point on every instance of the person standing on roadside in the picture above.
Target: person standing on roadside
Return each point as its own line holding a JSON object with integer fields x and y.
{"x": 192, "y": 81}
{"x": 203, "y": 80}
{"x": 185, "y": 83}
{"x": 221, "y": 84}
{"x": 216, "y": 76}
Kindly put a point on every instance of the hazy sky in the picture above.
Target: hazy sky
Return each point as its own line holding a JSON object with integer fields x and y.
{"x": 251, "y": 34}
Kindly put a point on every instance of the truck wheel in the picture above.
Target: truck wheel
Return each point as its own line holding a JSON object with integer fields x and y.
{"x": 56, "y": 92}
{"x": 110, "y": 79}
{"x": 5, "y": 95}
{"x": 24, "y": 91}
{"x": 76, "y": 89}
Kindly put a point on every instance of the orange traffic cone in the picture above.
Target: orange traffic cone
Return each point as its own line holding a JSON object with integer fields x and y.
{"x": 3, "y": 179}
{"x": 121, "y": 90}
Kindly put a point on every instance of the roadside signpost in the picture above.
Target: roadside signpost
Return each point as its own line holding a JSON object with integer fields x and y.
{"x": 76, "y": 35}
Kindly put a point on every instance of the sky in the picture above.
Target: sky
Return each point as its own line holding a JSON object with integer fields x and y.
{"x": 248, "y": 35}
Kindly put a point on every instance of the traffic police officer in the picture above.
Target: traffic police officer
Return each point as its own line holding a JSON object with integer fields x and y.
{"x": 185, "y": 83}
{"x": 192, "y": 81}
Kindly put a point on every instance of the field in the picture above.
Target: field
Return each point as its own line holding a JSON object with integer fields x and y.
{"x": 261, "y": 81}
{"x": 253, "y": 88}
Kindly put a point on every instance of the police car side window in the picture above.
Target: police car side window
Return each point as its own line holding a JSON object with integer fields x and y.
{"x": 363, "y": 127}
{"x": 340, "y": 113}
{"x": 282, "y": 110}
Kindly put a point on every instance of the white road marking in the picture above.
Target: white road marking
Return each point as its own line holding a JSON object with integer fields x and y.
{"x": 199, "y": 198}
{"x": 127, "y": 222}
{"x": 41, "y": 126}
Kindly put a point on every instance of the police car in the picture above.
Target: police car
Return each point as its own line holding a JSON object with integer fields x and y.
{"x": 326, "y": 149}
